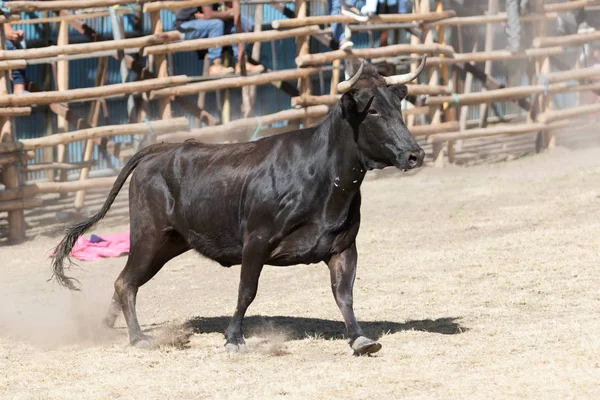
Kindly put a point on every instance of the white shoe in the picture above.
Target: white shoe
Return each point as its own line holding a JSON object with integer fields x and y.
{"x": 346, "y": 45}
{"x": 354, "y": 13}
{"x": 585, "y": 28}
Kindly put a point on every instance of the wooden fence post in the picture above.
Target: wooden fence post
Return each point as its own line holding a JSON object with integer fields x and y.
{"x": 160, "y": 63}
{"x": 302, "y": 43}
{"x": 10, "y": 174}
{"x": 437, "y": 148}
{"x": 489, "y": 46}
{"x": 258, "y": 17}
{"x": 62, "y": 83}
{"x": 545, "y": 139}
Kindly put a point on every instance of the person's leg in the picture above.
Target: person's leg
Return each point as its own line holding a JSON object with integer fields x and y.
{"x": 18, "y": 75}
{"x": 349, "y": 9}
{"x": 370, "y": 7}
{"x": 339, "y": 34}
{"x": 402, "y": 7}
{"x": 247, "y": 26}
{"x": 204, "y": 28}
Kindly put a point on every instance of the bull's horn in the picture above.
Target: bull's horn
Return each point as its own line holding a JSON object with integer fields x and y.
{"x": 345, "y": 86}
{"x": 405, "y": 78}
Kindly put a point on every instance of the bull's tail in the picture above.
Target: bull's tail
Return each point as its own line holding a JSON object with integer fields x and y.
{"x": 66, "y": 245}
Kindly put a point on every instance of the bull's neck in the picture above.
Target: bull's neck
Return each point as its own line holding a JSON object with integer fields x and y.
{"x": 337, "y": 138}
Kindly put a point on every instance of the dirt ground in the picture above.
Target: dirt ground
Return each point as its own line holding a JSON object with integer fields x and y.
{"x": 480, "y": 282}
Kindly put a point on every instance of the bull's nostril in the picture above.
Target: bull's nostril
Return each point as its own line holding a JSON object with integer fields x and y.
{"x": 412, "y": 160}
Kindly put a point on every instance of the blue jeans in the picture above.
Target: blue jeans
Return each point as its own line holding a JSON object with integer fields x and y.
{"x": 210, "y": 28}
{"x": 335, "y": 7}
{"x": 18, "y": 75}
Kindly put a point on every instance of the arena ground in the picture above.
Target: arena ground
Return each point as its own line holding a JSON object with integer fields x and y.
{"x": 480, "y": 282}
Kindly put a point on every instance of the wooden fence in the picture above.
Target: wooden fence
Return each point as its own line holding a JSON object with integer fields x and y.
{"x": 438, "y": 114}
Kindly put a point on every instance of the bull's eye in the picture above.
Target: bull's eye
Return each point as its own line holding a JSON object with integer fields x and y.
{"x": 373, "y": 112}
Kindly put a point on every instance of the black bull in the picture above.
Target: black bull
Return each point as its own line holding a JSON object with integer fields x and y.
{"x": 288, "y": 199}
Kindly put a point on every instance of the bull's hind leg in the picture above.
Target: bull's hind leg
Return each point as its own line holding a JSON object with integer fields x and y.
{"x": 253, "y": 258}
{"x": 113, "y": 311}
{"x": 342, "y": 268}
{"x": 149, "y": 252}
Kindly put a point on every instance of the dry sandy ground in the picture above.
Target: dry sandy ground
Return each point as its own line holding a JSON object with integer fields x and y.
{"x": 480, "y": 282}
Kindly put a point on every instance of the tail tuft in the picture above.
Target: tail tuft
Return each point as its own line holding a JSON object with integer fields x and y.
{"x": 64, "y": 249}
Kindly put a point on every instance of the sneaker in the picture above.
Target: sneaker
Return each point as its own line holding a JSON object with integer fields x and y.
{"x": 250, "y": 68}
{"x": 346, "y": 45}
{"x": 354, "y": 13}
{"x": 217, "y": 68}
{"x": 585, "y": 28}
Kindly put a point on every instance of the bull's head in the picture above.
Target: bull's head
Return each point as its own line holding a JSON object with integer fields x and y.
{"x": 371, "y": 104}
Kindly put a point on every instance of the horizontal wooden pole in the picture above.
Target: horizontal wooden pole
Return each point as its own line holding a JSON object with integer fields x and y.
{"x": 235, "y": 82}
{"x": 246, "y": 123}
{"x": 567, "y": 40}
{"x": 59, "y": 166}
{"x": 383, "y": 26}
{"x": 500, "y": 129}
{"x": 11, "y": 158}
{"x": 15, "y": 111}
{"x": 170, "y": 125}
{"x": 489, "y": 19}
{"x": 174, "y": 5}
{"x": 13, "y": 64}
{"x": 561, "y": 114}
{"x": 308, "y": 101}
{"x": 432, "y": 129}
{"x": 507, "y": 94}
{"x": 416, "y": 111}
{"x": 80, "y": 48}
{"x": 387, "y": 51}
{"x": 227, "y": 40}
{"x": 488, "y": 96}
{"x": 57, "y": 5}
{"x": 342, "y": 19}
{"x": 72, "y": 17}
{"x": 21, "y": 204}
{"x": 56, "y": 187}
{"x": 305, "y": 101}
{"x": 576, "y": 74}
{"x": 95, "y": 54}
{"x": 494, "y": 55}
{"x": 91, "y": 93}
{"x": 571, "y": 5}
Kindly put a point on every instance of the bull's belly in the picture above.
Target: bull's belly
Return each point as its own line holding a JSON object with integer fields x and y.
{"x": 301, "y": 247}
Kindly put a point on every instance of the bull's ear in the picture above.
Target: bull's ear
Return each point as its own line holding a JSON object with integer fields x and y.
{"x": 355, "y": 105}
{"x": 401, "y": 91}
{"x": 349, "y": 105}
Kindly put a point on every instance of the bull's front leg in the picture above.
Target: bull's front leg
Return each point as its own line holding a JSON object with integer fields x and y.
{"x": 343, "y": 270}
{"x": 253, "y": 258}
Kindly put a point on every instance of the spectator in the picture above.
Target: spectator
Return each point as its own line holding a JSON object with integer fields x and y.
{"x": 13, "y": 39}
{"x": 373, "y": 7}
{"x": 341, "y": 35}
{"x": 211, "y": 22}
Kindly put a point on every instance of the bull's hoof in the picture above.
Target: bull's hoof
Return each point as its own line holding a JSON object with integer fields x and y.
{"x": 143, "y": 343}
{"x": 235, "y": 347}
{"x": 363, "y": 346}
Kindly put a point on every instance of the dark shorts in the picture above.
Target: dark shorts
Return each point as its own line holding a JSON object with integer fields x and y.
{"x": 18, "y": 75}
{"x": 383, "y": 8}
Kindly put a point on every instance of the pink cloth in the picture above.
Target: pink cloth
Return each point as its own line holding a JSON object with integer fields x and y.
{"x": 115, "y": 245}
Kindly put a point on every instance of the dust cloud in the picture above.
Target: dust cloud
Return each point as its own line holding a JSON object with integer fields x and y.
{"x": 50, "y": 320}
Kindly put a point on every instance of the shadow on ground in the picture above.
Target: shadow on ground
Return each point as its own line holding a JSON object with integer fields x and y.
{"x": 299, "y": 328}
